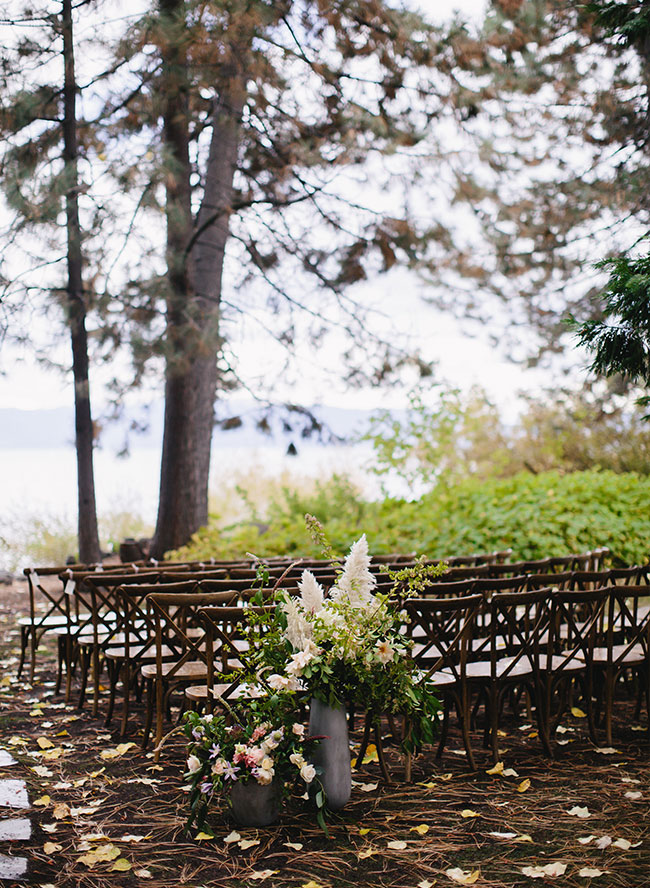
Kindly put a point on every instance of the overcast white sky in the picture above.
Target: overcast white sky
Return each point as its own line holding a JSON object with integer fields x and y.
{"x": 464, "y": 360}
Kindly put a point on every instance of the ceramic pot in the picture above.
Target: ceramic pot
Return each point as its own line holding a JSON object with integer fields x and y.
{"x": 332, "y": 755}
{"x": 254, "y": 804}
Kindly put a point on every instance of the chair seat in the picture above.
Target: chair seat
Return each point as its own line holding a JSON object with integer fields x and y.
{"x": 561, "y": 663}
{"x": 190, "y": 670}
{"x": 52, "y": 620}
{"x": 482, "y": 668}
{"x": 443, "y": 678}
{"x": 635, "y": 654}
{"x": 199, "y": 693}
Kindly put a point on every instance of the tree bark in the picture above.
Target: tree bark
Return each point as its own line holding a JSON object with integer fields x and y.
{"x": 88, "y": 537}
{"x": 195, "y": 254}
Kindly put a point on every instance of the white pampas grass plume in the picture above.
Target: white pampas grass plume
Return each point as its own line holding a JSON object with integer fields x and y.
{"x": 356, "y": 580}
{"x": 311, "y": 592}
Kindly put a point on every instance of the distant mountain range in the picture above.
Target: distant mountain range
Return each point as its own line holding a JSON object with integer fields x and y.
{"x": 244, "y": 425}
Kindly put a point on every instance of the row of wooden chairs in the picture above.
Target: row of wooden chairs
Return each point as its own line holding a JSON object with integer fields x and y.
{"x": 539, "y": 640}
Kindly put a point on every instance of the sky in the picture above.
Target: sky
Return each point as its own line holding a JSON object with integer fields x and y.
{"x": 464, "y": 356}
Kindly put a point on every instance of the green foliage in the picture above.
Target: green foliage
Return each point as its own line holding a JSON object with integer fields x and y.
{"x": 537, "y": 515}
{"x": 456, "y": 437}
{"x": 620, "y": 338}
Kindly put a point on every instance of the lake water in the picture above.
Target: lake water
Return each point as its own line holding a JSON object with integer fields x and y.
{"x": 41, "y": 483}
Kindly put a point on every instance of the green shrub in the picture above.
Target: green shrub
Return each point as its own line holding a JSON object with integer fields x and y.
{"x": 535, "y": 515}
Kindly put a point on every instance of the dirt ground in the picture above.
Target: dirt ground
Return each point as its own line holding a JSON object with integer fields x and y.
{"x": 448, "y": 827}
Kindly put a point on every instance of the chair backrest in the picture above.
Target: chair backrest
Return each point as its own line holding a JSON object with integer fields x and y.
{"x": 560, "y": 580}
{"x": 489, "y": 586}
{"x": 589, "y": 579}
{"x": 228, "y": 647}
{"x": 576, "y": 621}
{"x": 628, "y": 624}
{"x": 518, "y": 622}
{"x": 442, "y": 632}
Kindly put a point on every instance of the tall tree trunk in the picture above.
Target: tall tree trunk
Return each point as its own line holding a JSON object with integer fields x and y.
{"x": 87, "y": 513}
{"x": 195, "y": 254}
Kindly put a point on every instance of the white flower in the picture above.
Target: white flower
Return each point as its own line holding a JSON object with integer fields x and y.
{"x": 385, "y": 653}
{"x": 297, "y": 759}
{"x": 267, "y": 763}
{"x": 219, "y": 766}
{"x": 307, "y": 772}
{"x": 356, "y": 582}
{"x": 193, "y": 764}
{"x": 298, "y": 730}
{"x": 284, "y": 683}
{"x": 263, "y": 777}
{"x": 311, "y": 592}
{"x": 299, "y": 630}
{"x": 299, "y": 661}
{"x": 269, "y": 744}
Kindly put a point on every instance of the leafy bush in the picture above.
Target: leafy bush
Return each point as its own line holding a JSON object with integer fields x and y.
{"x": 536, "y": 515}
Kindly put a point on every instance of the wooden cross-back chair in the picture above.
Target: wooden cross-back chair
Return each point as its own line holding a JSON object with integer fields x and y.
{"x": 231, "y": 662}
{"x": 442, "y": 630}
{"x": 510, "y": 661}
{"x": 623, "y": 649}
{"x": 576, "y": 621}
{"x": 47, "y": 611}
{"x": 135, "y": 645}
{"x": 181, "y": 658}
{"x": 560, "y": 580}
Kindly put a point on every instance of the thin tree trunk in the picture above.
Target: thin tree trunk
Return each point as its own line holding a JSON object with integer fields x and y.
{"x": 195, "y": 260}
{"x": 87, "y": 513}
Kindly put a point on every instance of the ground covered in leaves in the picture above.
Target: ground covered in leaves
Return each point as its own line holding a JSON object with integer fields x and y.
{"x": 104, "y": 814}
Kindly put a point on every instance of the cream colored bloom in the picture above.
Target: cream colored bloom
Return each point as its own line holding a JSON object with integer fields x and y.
{"x": 264, "y": 777}
{"x": 193, "y": 764}
{"x": 283, "y": 682}
{"x": 297, "y": 759}
{"x": 298, "y": 730}
{"x": 385, "y": 653}
{"x": 307, "y": 772}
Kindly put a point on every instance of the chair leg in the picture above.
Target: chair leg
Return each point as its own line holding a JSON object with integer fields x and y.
{"x": 149, "y": 716}
{"x": 463, "y": 716}
{"x": 25, "y": 632}
{"x": 444, "y": 730}
{"x": 126, "y": 684}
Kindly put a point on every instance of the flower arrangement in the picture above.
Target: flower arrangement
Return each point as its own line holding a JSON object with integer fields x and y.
{"x": 259, "y": 741}
{"x": 348, "y": 646}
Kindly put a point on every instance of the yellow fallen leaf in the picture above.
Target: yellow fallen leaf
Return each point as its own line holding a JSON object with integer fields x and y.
{"x": 421, "y": 830}
{"x": 578, "y": 713}
{"x": 49, "y": 827}
{"x": 120, "y": 749}
{"x": 467, "y": 812}
{"x": 445, "y": 777}
{"x": 363, "y": 830}
{"x": 524, "y": 837}
{"x": 462, "y": 877}
{"x": 524, "y": 785}
{"x": 590, "y": 872}
{"x": 107, "y": 852}
{"x": 44, "y": 743}
{"x": 497, "y": 769}
{"x": 366, "y": 787}
{"x": 244, "y": 844}
{"x": 311, "y": 884}
{"x": 143, "y": 874}
{"x": 425, "y": 883}
{"x": 42, "y": 802}
{"x": 42, "y": 771}
{"x": 367, "y": 852}
{"x": 295, "y": 846}
{"x": 51, "y": 847}
{"x": 232, "y": 837}
{"x": 428, "y": 785}
{"x": 53, "y": 754}
{"x": 129, "y": 838}
{"x": 533, "y": 735}
{"x": 94, "y": 774}
{"x": 262, "y": 874}
{"x": 203, "y": 836}
{"x": 37, "y": 713}
{"x": 396, "y": 846}
{"x": 16, "y": 741}
{"x": 606, "y": 750}
{"x": 122, "y": 865}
